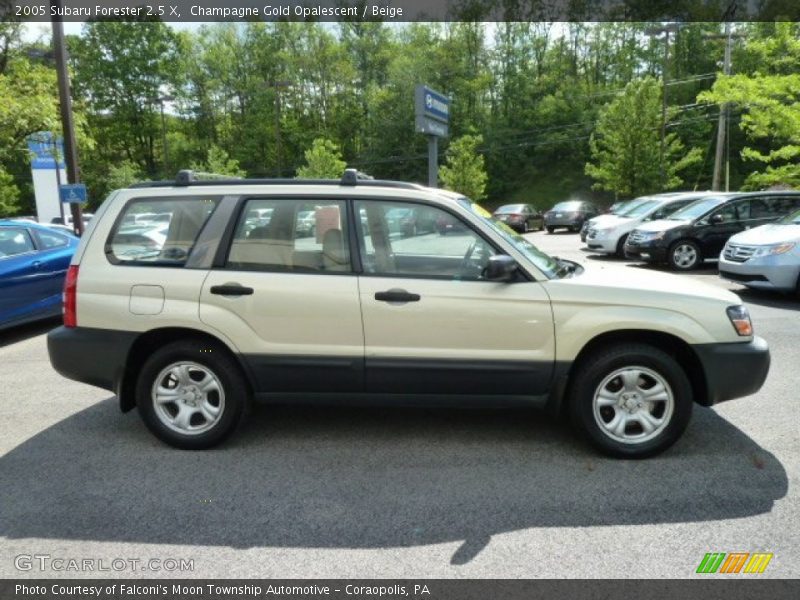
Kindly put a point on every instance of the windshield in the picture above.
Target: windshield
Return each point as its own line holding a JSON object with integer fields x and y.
{"x": 792, "y": 219}
{"x": 641, "y": 208}
{"x": 510, "y": 208}
{"x": 570, "y": 205}
{"x": 696, "y": 209}
{"x": 546, "y": 264}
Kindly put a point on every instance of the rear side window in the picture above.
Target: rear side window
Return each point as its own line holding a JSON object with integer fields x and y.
{"x": 14, "y": 241}
{"x": 303, "y": 235}
{"x": 49, "y": 240}
{"x": 158, "y": 230}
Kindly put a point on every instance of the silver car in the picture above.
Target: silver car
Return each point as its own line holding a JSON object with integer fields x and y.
{"x": 766, "y": 257}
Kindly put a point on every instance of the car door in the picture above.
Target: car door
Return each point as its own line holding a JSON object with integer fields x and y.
{"x": 432, "y": 325}
{"x": 54, "y": 258}
{"x": 714, "y": 230}
{"x": 288, "y": 298}
{"x": 20, "y": 277}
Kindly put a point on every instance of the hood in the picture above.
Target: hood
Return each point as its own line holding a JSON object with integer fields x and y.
{"x": 611, "y": 221}
{"x": 649, "y": 285}
{"x": 661, "y": 225}
{"x": 767, "y": 235}
{"x": 601, "y": 220}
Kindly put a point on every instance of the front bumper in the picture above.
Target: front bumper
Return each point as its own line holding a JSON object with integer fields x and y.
{"x": 764, "y": 272}
{"x": 733, "y": 370}
{"x": 94, "y": 356}
{"x": 606, "y": 245}
{"x": 647, "y": 251}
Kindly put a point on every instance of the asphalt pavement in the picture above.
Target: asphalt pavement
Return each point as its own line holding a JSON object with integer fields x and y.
{"x": 325, "y": 492}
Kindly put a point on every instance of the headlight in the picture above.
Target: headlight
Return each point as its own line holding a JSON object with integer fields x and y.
{"x": 776, "y": 249}
{"x": 740, "y": 319}
{"x": 653, "y": 235}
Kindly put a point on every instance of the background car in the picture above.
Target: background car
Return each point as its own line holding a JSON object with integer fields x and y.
{"x": 615, "y": 209}
{"x": 520, "y": 217}
{"x": 766, "y": 257}
{"x": 33, "y": 263}
{"x": 569, "y": 215}
{"x": 306, "y": 223}
{"x": 700, "y": 230}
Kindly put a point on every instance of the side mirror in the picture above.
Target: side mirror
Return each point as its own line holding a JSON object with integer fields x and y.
{"x": 501, "y": 268}
{"x": 716, "y": 219}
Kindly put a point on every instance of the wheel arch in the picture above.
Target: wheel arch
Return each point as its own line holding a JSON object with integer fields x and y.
{"x": 679, "y": 349}
{"x": 151, "y": 340}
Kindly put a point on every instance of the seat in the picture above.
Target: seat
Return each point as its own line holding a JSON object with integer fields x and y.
{"x": 334, "y": 254}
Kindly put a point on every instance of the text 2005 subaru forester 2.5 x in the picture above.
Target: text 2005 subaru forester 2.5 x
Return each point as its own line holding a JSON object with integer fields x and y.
{"x": 225, "y": 301}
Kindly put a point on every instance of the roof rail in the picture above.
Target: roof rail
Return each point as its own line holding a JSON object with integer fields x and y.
{"x": 351, "y": 177}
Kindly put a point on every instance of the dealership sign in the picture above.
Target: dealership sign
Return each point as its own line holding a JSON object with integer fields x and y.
{"x": 432, "y": 111}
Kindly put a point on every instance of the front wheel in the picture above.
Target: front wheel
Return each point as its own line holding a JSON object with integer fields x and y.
{"x": 550, "y": 229}
{"x": 684, "y": 255}
{"x": 620, "y": 253}
{"x": 191, "y": 394}
{"x": 631, "y": 400}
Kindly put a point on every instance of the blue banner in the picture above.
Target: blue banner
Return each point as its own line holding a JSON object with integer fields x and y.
{"x": 42, "y": 146}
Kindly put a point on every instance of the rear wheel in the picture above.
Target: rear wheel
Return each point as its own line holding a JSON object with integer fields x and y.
{"x": 191, "y": 394}
{"x": 621, "y": 246}
{"x": 684, "y": 255}
{"x": 631, "y": 400}
{"x": 550, "y": 229}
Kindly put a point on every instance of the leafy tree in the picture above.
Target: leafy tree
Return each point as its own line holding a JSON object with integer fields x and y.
{"x": 219, "y": 163}
{"x": 626, "y": 145}
{"x": 770, "y": 99}
{"x": 9, "y": 195}
{"x": 323, "y": 161}
{"x": 465, "y": 172}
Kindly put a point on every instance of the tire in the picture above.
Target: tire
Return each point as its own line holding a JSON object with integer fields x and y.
{"x": 620, "y": 253}
{"x": 684, "y": 255}
{"x": 525, "y": 228}
{"x": 594, "y": 415}
{"x": 196, "y": 362}
{"x": 550, "y": 229}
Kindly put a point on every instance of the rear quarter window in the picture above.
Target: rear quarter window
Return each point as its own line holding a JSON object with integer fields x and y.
{"x": 159, "y": 231}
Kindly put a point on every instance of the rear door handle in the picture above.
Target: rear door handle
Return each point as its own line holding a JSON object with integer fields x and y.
{"x": 396, "y": 296}
{"x": 231, "y": 290}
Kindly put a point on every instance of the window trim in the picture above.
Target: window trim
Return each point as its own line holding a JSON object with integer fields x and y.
{"x": 167, "y": 198}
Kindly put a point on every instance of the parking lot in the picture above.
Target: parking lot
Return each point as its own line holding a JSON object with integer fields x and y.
{"x": 323, "y": 492}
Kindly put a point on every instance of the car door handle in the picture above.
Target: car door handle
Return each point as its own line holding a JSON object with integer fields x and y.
{"x": 231, "y": 290}
{"x": 37, "y": 264}
{"x": 396, "y": 296}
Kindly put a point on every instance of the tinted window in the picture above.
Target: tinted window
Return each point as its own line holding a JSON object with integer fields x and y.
{"x": 696, "y": 209}
{"x": 291, "y": 235}
{"x": 511, "y": 208}
{"x": 167, "y": 240}
{"x": 572, "y": 205}
{"x": 792, "y": 219}
{"x": 459, "y": 253}
{"x": 729, "y": 211}
{"x": 14, "y": 241}
{"x": 670, "y": 208}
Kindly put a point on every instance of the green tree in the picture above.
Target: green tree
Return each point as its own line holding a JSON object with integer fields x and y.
{"x": 219, "y": 163}
{"x": 626, "y": 145}
{"x": 465, "y": 172}
{"x": 9, "y": 195}
{"x": 323, "y": 161}
{"x": 770, "y": 99}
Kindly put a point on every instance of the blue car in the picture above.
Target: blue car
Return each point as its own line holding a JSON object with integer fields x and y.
{"x": 33, "y": 263}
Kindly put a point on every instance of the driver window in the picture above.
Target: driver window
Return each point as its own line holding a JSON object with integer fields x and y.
{"x": 727, "y": 212}
{"x": 411, "y": 240}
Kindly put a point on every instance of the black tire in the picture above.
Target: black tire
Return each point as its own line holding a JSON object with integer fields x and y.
{"x": 209, "y": 357}
{"x": 620, "y": 253}
{"x": 591, "y": 374}
{"x": 677, "y": 252}
{"x": 550, "y": 229}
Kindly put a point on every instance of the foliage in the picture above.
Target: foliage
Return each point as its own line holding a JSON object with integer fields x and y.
{"x": 9, "y": 195}
{"x": 626, "y": 145}
{"x": 770, "y": 99}
{"x": 465, "y": 172}
{"x": 219, "y": 163}
{"x": 323, "y": 161}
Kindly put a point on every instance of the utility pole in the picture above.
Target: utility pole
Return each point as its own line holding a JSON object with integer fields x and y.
{"x": 65, "y": 102}
{"x": 652, "y": 32}
{"x": 277, "y": 86}
{"x": 722, "y": 125}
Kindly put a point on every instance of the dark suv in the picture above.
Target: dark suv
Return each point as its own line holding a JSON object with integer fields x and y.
{"x": 569, "y": 215}
{"x": 699, "y": 231}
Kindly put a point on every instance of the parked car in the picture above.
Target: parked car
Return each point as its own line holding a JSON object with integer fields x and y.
{"x": 522, "y": 218}
{"x": 700, "y": 230}
{"x": 609, "y": 234}
{"x": 616, "y": 209}
{"x": 306, "y": 223}
{"x": 67, "y": 220}
{"x": 766, "y": 257}
{"x": 33, "y": 264}
{"x": 483, "y": 317}
{"x": 569, "y": 215}
{"x": 445, "y": 224}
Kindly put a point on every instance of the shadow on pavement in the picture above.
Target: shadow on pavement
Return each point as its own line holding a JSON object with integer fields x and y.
{"x": 21, "y": 333}
{"x": 367, "y": 478}
{"x": 770, "y": 299}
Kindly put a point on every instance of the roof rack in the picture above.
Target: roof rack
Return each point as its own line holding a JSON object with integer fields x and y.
{"x": 351, "y": 177}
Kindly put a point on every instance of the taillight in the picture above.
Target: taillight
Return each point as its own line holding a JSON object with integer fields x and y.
{"x": 70, "y": 297}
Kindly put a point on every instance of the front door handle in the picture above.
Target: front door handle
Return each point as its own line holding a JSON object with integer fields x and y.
{"x": 396, "y": 295}
{"x": 231, "y": 289}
